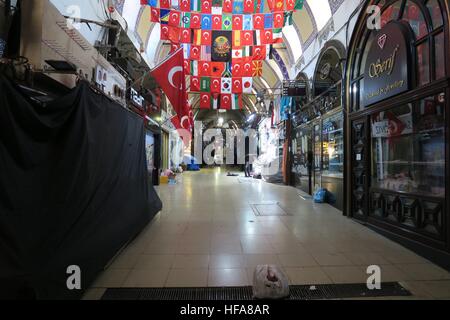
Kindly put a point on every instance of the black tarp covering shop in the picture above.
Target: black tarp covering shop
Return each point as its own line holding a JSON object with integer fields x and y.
{"x": 73, "y": 189}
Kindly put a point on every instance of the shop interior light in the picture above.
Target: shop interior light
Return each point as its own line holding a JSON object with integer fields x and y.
{"x": 251, "y": 117}
{"x": 220, "y": 121}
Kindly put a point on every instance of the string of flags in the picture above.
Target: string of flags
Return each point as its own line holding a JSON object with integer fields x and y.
{"x": 224, "y": 42}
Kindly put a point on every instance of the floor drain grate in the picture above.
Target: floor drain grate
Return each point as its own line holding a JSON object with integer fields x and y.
{"x": 268, "y": 209}
{"x": 306, "y": 292}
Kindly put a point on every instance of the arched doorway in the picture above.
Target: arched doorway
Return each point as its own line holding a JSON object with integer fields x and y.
{"x": 397, "y": 93}
{"x": 318, "y": 137}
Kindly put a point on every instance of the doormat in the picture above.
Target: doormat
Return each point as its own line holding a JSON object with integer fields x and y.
{"x": 304, "y": 292}
{"x": 268, "y": 208}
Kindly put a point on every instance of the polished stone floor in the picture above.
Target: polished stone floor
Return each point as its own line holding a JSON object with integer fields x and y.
{"x": 208, "y": 235}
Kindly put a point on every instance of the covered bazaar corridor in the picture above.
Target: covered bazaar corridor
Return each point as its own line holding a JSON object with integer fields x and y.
{"x": 225, "y": 150}
{"x": 208, "y": 235}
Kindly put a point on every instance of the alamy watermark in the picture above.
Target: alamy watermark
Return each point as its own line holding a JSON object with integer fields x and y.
{"x": 374, "y": 19}
{"x": 73, "y": 281}
{"x": 74, "y": 17}
{"x": 374, "y": 279}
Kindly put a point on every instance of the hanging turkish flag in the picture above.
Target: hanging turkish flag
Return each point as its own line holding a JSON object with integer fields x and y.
{"x": 195, "y": 84}
{"x": 204, "y": 69}
{"x": 227, "y": 6}
{"x": 205, "y": 101}
{"x": 155, "y": 15}
{"x": 171, "y": 79}
{"x": 185, "y": 35}
{"x": 187, "y": 66}
{"x": 237, "y": 67}
{"x": 395, "y": 125}
{"x": 247, "y": 68}
{"x": 196, "y": 20}
{"x": 164, "y": 31}
{"x": 174, "y": 34}
{"x": 165, "y": 4}
{"x": 259, "y": 52}
{"x": 278, "y": 20}
{"x": 258, "y": 21}
{"x": 249, "y": 6}
{"x": 217, "y": 22}
{"x": 185, "y": 5}
{"x": 267, "y": 37}
{"x": 195, "y": 52}
{"x": 206, "y": 6}
{"x": 237, "y": 22}
{"x": 237, "y": 85}
{"x": 413, "y": 12}
{"x": 247, "y": 38}
{"x": 174, "y": 47}
{"x": 206, "y": 37}
{"x": 225, "y": 101}
{"x": 215, "y": 85}
{"x": 174, "y": 18}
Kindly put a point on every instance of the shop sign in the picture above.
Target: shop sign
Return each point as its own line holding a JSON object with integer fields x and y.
{"x": 136, "y": 99}
{"x": 387, "y": 66}
{"x": 393, "y": 127}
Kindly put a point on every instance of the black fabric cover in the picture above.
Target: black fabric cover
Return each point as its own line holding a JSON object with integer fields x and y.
{"x": 73, "y": 189}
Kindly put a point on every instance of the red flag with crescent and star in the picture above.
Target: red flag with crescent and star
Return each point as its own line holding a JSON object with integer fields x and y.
{"x": 170, "y": 76}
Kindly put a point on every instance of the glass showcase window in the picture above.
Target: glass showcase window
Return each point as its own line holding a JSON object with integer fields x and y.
{"x": 333, "y": 146}
{"x": 408, "y": 148}
{"x": 304, "y": 151}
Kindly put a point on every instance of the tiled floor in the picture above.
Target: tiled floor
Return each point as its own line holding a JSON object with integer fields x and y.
{"x": 208, "y": 235}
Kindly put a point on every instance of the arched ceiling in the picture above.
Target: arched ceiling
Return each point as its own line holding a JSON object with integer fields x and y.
{"x": 307, "y": 23}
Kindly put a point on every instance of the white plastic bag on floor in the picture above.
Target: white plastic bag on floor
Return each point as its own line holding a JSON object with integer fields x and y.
{"x": 269, "y": 282}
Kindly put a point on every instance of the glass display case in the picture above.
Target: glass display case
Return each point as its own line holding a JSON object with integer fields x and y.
{"x": 150, "y": 153}
{"x": 302, "y": 158}
{"x": 408, "y": 148}
{"x": 317, "y": 163}
{"x": 333, "y": 146}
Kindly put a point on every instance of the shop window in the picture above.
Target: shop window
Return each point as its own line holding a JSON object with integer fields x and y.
{"x": 435, "y": 13}
{"x": 391, "y": 13}
{"x": 355, "y": 96}
{"x": 333, "y": 146}
{"x": 302, "y": 155}
{"x": 408, "y": 148}
{"x": 414, "y": 16}
{"x": 360, "y": 92}
{"x": 423, "y": 63}
{"x": 439, "y": 55}
{"x": 362, "y": 65}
